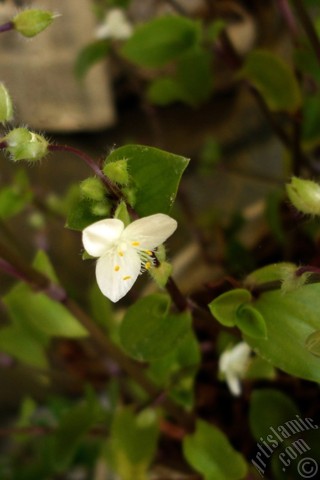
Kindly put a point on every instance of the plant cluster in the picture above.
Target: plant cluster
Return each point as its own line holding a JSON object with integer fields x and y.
{"x": 192, "y": 385}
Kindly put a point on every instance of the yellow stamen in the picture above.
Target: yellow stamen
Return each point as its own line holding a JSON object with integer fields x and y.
{"x": 126, "y": 278}
{"x": 135, "y": 244}
{"x": 121, "y": 254}
{"x": 116, "y": 268}
{"x": 147, "y": 265}
{"x": 148, "y": 252}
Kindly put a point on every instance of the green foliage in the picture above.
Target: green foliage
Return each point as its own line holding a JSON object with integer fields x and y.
{"x": 192, "y": 83}
{"x": 161, "y": 40}
{"x": 209, "y": 452}
{"x": 83, "y": 211}
{"x": 148, "y": 331}
{"x": 15, "y": 197}
{"x": 73, "y": 426}
{"x": 274, "y": 80}
{"x": 35, "y": 319}
{"x": 133, "y": 443}
{"x": 225, "y": 307}
{"x": 251, "y": 322}
{"x": 277, "y": 408}
{"x": 156, "y": 175}
{"x": 290, "y": 319}
{"x": 176, "y": 371}
{"x": 89, "y": 56}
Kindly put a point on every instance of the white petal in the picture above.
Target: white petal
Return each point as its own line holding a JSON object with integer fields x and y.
{"x": 234, "y": 385}
{"x": 150, "y": 231}
{"x": 100, "y": 236}
{"x": 116, "y": 274}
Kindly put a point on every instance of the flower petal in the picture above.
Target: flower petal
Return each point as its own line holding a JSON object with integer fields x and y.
{"x": 151, "y": 231}
{"x": 98, "y": 237}
{"x": 116, "y": 273}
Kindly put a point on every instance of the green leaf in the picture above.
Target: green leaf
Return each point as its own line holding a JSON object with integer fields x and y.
{"x": 274, "y": 80}
{"x": 133, "y": 443}
{"x": 164, "y": 91}
{"x": 192, "y": 83}
{"x": 161, "y": 40}
{"x": 148, "y": 332}
{"x": 37, "y": 312}
{"x": 277, "y": 409}
{"x": 14, "y": 198}
{"x": 269, "y": 273}
{"x": 224, "y": 307}
{"x": 23, "y": 345}
{"x": 90, "y": 55}
{"x": 307, "y": 62}
{"x": 290, "y": 318}
{"x": 251, "y": 322}
{"x": 176, "y": 371}
{"x": 209, "y": 452}
{"x": 82, "y": 213}
{"x": 156, "y": 175}
{"x": 73, "y": 426}
{"x": 313, "y": 343}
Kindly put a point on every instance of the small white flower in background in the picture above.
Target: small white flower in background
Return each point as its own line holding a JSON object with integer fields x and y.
{"x": 115, "y": 26}
{"x": 124, "y": 253}
{"x": 233, "y": 363}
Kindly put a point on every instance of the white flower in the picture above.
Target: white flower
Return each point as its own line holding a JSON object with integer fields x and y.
{"x": 124, "y": 252}
{"x": 233, "y": 363}
{"x": 115, "y": 26}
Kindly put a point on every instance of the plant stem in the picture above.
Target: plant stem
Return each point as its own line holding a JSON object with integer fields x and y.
{"x": 308, "y": 26}
{"x": 6, "y": 27}
{"x": 112, "y": 188}
{"x": 177, "y": 7}
{"x": 298, "y": 158}
{"x": 277, "y": 129}
{"x": 288, "y": 17}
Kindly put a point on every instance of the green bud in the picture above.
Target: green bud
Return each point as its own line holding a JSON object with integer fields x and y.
{"x": 304, "y": 195}
{"x": 117, "y": 171}
{"x": 290, "y": 280}
{"x": 93, "y": 189}
{"x": 31, "y": 22}
{"x": 122, "y": 213}
{"x": 25, "y": 145}
{"x": 101, "y": 209}
{"x": 161, "y": 273}
{"x": 130, "y": 194}
{"x": 6, "y": 109}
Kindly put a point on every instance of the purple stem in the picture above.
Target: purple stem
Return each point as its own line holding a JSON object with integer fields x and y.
{"x": 288, "y": 17}
{"x": 113, "y": 189}
{"x": 307, "y": 269}
{"x": 6, "y": 27}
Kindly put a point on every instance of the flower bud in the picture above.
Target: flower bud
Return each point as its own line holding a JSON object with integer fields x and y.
{"x": 6, "y": 109}
{"x": 161, "y": 273}
{"x": 117, "y": 171}
{"x": 25, "y": 145}
{"x": 304, "y": 195}
{"x": 31, "y": 22}
{"x": 93, "y": 189}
